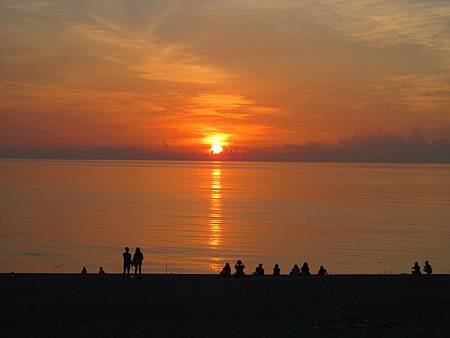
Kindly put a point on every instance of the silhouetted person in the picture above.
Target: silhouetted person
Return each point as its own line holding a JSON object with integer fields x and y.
{"x": 138, "y": 257}
{"x": 305, "y": 269}
{"x": 226, "y": 271}
{"x": 322, "y": 271}
{"x": 416, "y": 269}
{"x": 259, "y": 271}
{"x": 295, "y": 270}
{"x": 101, "y": 271}
{"x": 239, "y": 267}
{"x": 427, "y": 268}
{"x": 126, "y": 262}
{"x": 276, "y": 270}
{"x": 84, "y": 271}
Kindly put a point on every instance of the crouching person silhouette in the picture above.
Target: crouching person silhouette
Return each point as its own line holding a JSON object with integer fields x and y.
{"x": 276, "y": 270}
{"x": 226, "y": 271}
{"x": 305, "y": 269}
{"x": 259, "y": 271}
{"x": 295, "y": 270}
{"x": 322, "y": 271}
{"x": 239, "y": 267}
{"x": 415, "y": 270}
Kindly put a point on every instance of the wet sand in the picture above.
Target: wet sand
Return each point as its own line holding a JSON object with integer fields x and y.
{"x": 47, "y": 305}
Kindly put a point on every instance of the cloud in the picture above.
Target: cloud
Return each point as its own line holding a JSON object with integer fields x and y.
{"x": 372, "y": 147}
{"x": 382, "y": 23}
{"x": 175, "y": 64}
{"x": 385, "y": 23}
{"x": 114, "y": 72}
{"x": 419, "y": 93}
{"x": 27, "y": 6}
{"x": 259, "y": 4}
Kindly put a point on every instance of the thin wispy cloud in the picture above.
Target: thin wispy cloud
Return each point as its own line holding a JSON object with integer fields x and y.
{"x": 386, "y": 23}
{"x": 27, "y": 6}
{"x": 419, "y": 93}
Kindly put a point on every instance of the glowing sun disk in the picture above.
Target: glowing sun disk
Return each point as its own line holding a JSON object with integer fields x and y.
{"x": 216, "y": 148}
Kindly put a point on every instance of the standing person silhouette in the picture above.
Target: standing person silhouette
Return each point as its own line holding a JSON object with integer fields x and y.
{"x": 138, "y": 257}
{"x": 126, "y": 262}
{"x": 239, "y": 267}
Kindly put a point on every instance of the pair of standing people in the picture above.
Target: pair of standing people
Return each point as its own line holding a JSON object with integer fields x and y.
{"x": 137, "y": 259}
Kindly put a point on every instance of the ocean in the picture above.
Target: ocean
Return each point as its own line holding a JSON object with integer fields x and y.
{"x": 192, "y": 217}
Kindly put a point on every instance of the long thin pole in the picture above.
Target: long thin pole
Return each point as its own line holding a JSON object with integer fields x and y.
{"x": 166, "y": 265}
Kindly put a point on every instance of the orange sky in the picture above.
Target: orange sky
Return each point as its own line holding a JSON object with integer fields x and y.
{"x": 257, "y": 72}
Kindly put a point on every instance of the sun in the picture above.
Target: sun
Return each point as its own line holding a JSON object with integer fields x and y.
{"x": 216, "y": 148}
{"x": 217, "y": 142}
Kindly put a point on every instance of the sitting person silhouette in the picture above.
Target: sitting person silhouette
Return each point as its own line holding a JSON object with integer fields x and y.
{"x": 415, "y": 269}
{"x": 126, "y": 262}
{"x": 101, "y": 271}
{"x": 226, "y": 271}
{"x": 239, "y": 267}
{"x": 84, "y": 271}
{"x": 322, "y": 271}
{"x": 138, "y": 257}
{"x": 259, "y": 271}
{"x": 295, "y": 270}
{"x": 276, "y": 270}
{"x": 305, "y": 269}
{"x": 427, "y": 268}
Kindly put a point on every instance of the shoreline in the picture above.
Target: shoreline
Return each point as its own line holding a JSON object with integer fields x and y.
{"x": 206, "y": 275}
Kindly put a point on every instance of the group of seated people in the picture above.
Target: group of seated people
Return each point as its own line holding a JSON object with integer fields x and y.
{"x": 100, "y": 271}
{"x": 296, "y": 271}
{"x": 415, "y": 270}
{"x": 259, "y": 271}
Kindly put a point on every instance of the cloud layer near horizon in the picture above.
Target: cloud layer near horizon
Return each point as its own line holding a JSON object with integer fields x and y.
{"x": 263, "y": 73}
{"x": 376, "y": 147}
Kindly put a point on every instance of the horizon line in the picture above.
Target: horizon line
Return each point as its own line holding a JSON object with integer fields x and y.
{"x": 19, "y": 158}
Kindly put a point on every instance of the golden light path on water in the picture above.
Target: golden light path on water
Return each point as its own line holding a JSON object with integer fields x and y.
{"x": 215, "y": 215}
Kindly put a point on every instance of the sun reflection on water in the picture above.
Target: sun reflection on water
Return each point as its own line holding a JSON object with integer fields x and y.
{"x": 215, "y": 216}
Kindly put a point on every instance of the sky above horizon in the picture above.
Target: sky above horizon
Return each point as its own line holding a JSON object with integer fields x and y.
{"x": 251, "y": 72}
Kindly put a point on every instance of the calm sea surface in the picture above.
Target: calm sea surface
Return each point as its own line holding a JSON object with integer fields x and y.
{"x": 57, "y": 216}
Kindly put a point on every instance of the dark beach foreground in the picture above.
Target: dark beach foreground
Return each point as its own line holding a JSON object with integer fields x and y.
{"x": 208, "y": 306}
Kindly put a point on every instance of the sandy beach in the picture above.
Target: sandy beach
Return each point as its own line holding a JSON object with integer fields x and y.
{"x": 50, "y": 305}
